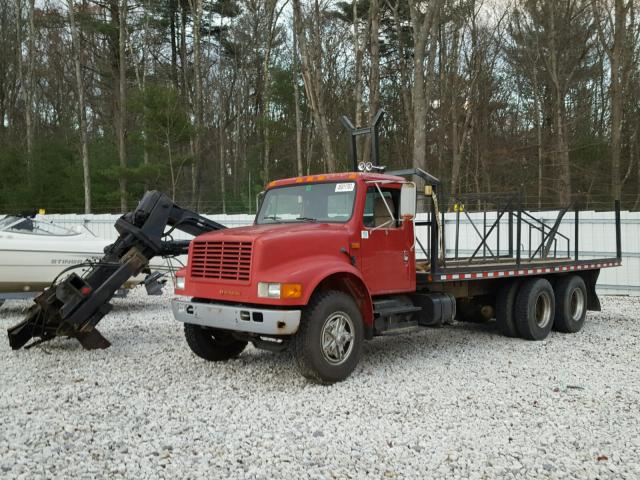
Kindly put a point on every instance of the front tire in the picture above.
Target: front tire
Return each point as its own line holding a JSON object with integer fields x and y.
{"x": 535, "y": 309}
{"x": 571, "y": 304}
{"x": 328, "y": 343}
{"x": 212, "y": 345}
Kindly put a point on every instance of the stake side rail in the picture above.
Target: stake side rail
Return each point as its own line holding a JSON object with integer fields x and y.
{"x": 534, "y": 246}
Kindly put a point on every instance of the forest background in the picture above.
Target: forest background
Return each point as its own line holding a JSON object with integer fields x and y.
{"x": 210, "y": 100}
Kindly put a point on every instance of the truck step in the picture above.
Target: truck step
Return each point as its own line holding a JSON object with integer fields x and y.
{"x": 387, "y": 311}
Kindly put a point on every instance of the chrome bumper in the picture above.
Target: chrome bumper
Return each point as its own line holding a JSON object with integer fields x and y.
{"x": 241, "y": 319}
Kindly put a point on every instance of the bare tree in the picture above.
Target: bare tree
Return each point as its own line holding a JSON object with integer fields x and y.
{"x": 613, "y": 35}
{"x": 424, "y": 21}
{"x": 29, "y": 86}
{"x": 310, "y": 62}
{"x": 118, "y": 12}
{"x": 296, "y": 99}
{"x": 196, "y": 8}
{"x": 82, "y": 107}
{"x": 271, "y": 23}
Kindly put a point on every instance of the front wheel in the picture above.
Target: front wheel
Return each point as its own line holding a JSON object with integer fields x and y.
{"x": 328, "y": 343}
{"x": 212, "y": 345}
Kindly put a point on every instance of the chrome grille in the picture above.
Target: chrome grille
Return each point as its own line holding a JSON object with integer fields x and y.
{"x": 221, "y": 260}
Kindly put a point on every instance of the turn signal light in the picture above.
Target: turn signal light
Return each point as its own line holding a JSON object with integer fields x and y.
{"x": 290, "y": 290}
{"x": 279, "y": 290}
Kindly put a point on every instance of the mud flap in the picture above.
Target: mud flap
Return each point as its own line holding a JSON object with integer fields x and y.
{"x": 590, "y": 278}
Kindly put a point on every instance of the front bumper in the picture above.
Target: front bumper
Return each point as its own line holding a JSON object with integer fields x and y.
{"x": 240, "y": 319}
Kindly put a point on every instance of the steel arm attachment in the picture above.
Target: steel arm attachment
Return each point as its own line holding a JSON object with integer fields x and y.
{"x": 74, "y": 306}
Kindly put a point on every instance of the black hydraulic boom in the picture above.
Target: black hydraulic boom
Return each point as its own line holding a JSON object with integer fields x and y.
{"x": 74, "y": 306}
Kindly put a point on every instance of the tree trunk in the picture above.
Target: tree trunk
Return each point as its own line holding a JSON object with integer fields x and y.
{"x": 403, "y": 67}
{"x": 374, "y": 76}
{"x": 357, "y": 53}
{"x": 562, "y": 147}
{"x": 82, "y": 111}
{"x": 22, "y": 93}
{"x": 423, "y": 22}
{"x": 122, "y": 101}
{"x": 270, "y": 5}
{"x": 296, "y": 97}
{"x": 174, "y": 50}
{"x": 617, "y": 94}
{"x": 223, "y": 169}
{"x": 29, "y": 89}
{"x": 196, "y": 8}
{"x": 313, "y": 81}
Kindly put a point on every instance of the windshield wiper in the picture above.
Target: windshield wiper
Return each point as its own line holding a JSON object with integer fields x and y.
{"x": 306, "y": 219}
{"x": 275, "y": 218}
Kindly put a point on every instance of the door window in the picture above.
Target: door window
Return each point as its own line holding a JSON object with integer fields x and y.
{"x": 381, "y": 211}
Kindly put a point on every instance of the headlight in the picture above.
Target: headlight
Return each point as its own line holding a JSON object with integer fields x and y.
{"x": 181, "y": 282}
{"x": 279, "y": 290}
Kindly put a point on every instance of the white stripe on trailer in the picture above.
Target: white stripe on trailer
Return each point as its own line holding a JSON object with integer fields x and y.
{"x": 530, "y": 271}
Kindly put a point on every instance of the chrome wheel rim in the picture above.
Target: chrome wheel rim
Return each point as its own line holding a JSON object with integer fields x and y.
{"x": 337, "y": 338}
{"x": 577, "y": 304}
{"x": 543, "y": 309}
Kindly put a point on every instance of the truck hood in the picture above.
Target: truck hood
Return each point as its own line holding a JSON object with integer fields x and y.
{"x": 274, "y": 231}
{"x": 278, "y": 249}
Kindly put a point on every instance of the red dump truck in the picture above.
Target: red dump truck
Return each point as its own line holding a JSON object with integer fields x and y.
{"x": 333, "y": 260}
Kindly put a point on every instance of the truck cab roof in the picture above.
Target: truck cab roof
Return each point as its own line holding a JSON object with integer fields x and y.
{"x": 337, "y": 177}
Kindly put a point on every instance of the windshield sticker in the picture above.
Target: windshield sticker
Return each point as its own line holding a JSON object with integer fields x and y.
{"x": 345, "y": 187}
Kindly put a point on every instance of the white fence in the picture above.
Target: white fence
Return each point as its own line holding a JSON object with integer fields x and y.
{"x": 596, "y": 238}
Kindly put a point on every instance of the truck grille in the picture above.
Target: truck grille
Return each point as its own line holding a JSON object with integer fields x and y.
{"x": 216, "y": 260}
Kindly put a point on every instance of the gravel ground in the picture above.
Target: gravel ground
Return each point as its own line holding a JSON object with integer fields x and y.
{"x": 457, "y": 402}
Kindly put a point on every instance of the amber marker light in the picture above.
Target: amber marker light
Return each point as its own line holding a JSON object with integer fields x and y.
{"x": 290, "y": 290}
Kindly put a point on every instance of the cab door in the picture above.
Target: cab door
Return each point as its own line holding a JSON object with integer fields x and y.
{"x": 388, "y": 256}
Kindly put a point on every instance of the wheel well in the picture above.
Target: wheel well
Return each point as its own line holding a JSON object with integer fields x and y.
{"x": 353, "y": 286}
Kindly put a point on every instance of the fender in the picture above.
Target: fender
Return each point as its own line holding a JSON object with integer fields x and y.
{"x": 341, "y": 276}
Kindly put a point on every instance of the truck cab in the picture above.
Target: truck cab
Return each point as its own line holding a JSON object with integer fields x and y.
{"x": 306, "y": 274}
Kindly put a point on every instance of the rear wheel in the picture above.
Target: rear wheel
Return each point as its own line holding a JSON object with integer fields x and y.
{"x": 535, "y": 309}
{"x": 328, "y": 343}
{"x": 571, "y": 304}
{"x": 212, "y": 345}
{"x": 505, "y": 306}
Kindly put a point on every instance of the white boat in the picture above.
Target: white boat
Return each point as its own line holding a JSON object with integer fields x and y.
{"x": 34, "y": 252}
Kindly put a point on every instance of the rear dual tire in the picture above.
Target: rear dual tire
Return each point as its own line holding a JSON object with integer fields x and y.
{"x": 531, "y": 308}
{"x": 571, "y": 304}
{"x": 535, "y": 309}
{"x": 505, "y": 308}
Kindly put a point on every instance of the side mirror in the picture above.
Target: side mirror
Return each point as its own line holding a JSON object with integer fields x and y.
{"x": 408, "y": 200}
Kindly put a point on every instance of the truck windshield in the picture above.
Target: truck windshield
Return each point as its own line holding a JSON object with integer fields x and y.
{"x": 311, "y": 202}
